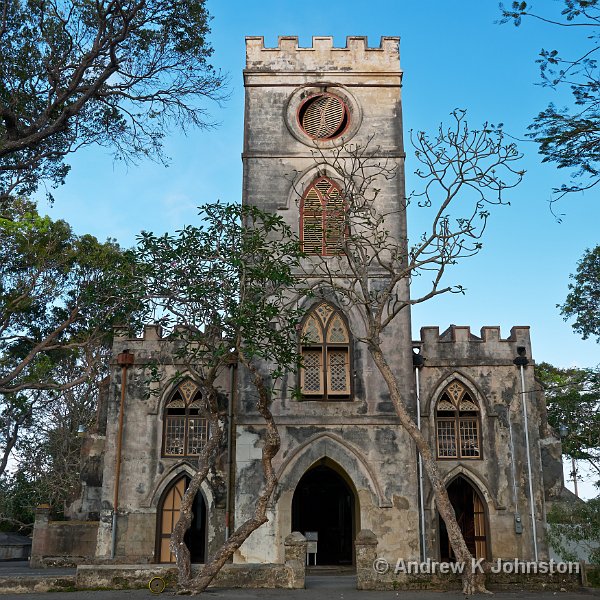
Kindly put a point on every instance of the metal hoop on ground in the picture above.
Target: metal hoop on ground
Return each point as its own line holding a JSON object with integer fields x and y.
{"x": 157, "y": 585}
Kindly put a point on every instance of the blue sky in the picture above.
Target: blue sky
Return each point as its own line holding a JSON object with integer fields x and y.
{"x": 453, "y": 55}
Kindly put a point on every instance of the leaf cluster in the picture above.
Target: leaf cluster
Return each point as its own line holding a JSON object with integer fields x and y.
{"x": 568, "y": 136}
{"x": 583, "y": 300}
{"x": 573, "y": 401}
{"x": 575, "y": 524}
{"x": 60, "y": 296}
{"x": 46, "y": 465}
{"x": 117, "y": 73}
{"x": 221, "y": 288}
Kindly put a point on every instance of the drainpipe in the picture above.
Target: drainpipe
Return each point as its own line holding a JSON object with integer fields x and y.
{"x": 517, "y": 516}
{"x": 418, "y": 363}
{"x": 521, "y": 361}
{"x": 124, "y": 360}
{"x": 228, "y": 518}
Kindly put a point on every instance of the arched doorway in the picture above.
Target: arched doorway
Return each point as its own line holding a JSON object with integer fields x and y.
{"x": 168, "y": 514}
{"x": 470, "y": 514}
{"x": 325, "y": 503}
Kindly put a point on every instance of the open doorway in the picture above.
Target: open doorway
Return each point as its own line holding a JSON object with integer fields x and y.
{"x": 470, "y": 514}
{"x": 168, "y": 514}
{"x": 324, "y": 502}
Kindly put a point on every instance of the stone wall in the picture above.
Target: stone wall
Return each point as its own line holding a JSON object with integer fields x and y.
{"x": 485, "y": 365}
{"x": 61, "y": 543}
{"x": 360, "y": 438}
{"x": 289, "y": 575}
{"x": 145, "y": 473}
{"x": 375, "y": 572}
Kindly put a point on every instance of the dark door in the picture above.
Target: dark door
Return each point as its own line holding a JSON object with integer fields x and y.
{"x": 195, "y": 538}
{"x": 470, "y": 516}
{"x": 323, "y": 502}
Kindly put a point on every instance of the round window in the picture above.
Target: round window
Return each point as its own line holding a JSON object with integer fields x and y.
{"x": 323, "y": 116}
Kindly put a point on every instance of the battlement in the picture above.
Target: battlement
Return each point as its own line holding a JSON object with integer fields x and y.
{"x": 458, "y": 341}
{"x": 322, "y": 56}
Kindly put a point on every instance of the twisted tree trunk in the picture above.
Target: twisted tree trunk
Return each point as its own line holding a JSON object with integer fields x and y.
{"x": 272, "y": 442}
{"x": 177, "y": 544}
{"x": 472, "y": 582}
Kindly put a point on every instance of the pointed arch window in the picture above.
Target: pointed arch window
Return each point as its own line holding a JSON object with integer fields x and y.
{"x": 185, "y": 422}
{"x": 325, "y": 372}
{"x": 323, "y": 218}
{"x": 458, "y": 423}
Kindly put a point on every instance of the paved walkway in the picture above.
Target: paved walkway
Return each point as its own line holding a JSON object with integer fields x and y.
{"x": 14, "y": 568}
{"x": 316, "y": 593}
{"x": 320, "y": 586}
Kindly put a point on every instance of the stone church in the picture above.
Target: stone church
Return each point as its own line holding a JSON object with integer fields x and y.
{"x": 345, "y": 463}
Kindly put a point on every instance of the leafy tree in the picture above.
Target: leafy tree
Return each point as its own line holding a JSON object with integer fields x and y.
{"x": 116, "y": 73}
{"x": 46, "y": 463}
{"x": 583, "y": 301}
{"x": 576, "y": 524}
{"x": 573, "y": 401}
{"x": 463, "y": 172}
{"x": 569, "y": 136}
{"x": 60, "y": 295}
{"x": 222, "y": 290}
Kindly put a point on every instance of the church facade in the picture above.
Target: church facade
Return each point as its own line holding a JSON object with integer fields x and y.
{"x": 345, "y": 462}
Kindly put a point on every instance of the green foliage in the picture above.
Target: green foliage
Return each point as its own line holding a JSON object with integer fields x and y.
{"x": 224, "y": 287}
{"x": 573, "y": 400}
{"x": 575, "y": 524}
{"x": 60, "y": 295}
{"x": 18, "y": 499}
{"x": 583, "y": 301}
{"x": 570, "y": 136}
{"x": 117, "y": 73}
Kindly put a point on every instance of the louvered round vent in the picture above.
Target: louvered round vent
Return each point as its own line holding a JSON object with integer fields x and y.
{"x": 323, "y": 116}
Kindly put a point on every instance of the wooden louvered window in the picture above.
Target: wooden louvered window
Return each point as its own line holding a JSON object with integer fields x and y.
{"x": 323, "y": 218}
{"x": 457, "y": 423}
{"x": 325, "y": 372}
{"x": 479, "y": 527}
{"x": 185, "y": 423}
{"x": 323, "y": 116}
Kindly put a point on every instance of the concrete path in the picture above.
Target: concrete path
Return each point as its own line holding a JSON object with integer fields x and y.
{"x": 308, "y": 594}
{"x": 14, "y": 568}
{"x": 319, "y": 586}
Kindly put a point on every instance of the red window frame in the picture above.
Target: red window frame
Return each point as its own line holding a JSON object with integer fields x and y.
{"x": 324, "y": 216}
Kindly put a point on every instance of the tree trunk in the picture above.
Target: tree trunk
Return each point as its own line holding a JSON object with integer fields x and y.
{"x": 472, "y": 582}
{"x": 272, "y": 443}
{"x": 177, "y": 544}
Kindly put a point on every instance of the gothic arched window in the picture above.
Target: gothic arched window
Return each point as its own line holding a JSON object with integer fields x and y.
{"x": 457, "y": 423}
{"x": 185, "y": 423}
{"x": 325, "y": 341}
{"x": 323, "y": 218}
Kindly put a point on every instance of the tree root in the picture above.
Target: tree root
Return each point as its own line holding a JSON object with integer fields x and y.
{"x": 474, "y": 584}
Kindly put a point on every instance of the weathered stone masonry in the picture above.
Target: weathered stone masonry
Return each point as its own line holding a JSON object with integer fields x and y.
{"x": 351, "y": 443}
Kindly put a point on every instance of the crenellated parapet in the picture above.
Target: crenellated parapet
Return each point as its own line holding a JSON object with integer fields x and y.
{"x": 322, "y": 56}
{"x": 458, "y": 343}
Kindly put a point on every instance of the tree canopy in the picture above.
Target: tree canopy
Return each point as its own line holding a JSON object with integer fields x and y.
{"x": 573, "y": 402}
{"x": 222, "y": 290}
{"x": 60, "y": 296}
{"x": 576, "y": 525}
{"x": 583, "y": 300}
{"x": 568, "y": 136}
{"x": 117, "y": 73}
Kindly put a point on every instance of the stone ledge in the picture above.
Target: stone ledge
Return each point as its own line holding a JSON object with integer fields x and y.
{"x": 288, "y": 576}
{"x": 368, "y": 580}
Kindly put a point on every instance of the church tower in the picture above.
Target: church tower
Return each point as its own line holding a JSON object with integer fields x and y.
{"x": 345, "y": 463}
